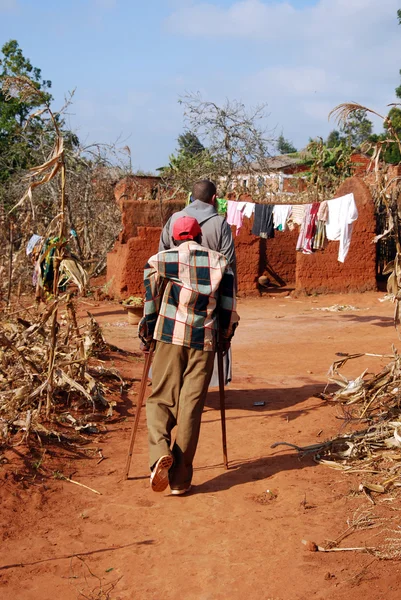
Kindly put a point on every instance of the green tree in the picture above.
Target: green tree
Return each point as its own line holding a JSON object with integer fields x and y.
{"x": 334, "y": 139}
{"x": 328, "y": 167}
{"x": 391, "y": 152}
{"x": 18, "y": 142}
{"x": 190, "y": 144}
{"x": 284, "y": 146}
{"x": 357, "y": 129}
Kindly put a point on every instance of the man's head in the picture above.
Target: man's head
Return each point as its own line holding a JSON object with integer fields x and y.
{"x": 185, "y": 229}
{"x": 204, "y": 190}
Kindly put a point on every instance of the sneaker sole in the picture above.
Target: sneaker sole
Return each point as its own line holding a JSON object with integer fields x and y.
{"x": 159, "y": 480}
{"x": 180, "y": 492}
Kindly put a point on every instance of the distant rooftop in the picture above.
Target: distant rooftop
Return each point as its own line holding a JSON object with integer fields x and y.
{"x": 275, "y": 163}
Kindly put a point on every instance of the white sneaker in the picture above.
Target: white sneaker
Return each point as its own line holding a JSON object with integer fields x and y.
{"x": 159, "y": 475}
{"x": 180, "y": 492}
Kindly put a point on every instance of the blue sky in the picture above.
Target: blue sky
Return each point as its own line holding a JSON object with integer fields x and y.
{"x": 130, "y": 60}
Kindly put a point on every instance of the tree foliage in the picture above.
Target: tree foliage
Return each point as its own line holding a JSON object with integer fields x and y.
{"x": 18, "y": 130}
{"x": 190, "y": 144}
{"x": 357, "y": 129}
{"x": 354, "y": 131}
{"x": 27, "y": 140}
{"x": 284, "y": 146}
{"x": 327, "y": 166}
{"x": 230, "y": 137}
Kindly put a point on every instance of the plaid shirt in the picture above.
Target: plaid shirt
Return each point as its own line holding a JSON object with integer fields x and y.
{"x": 189, "y": 293}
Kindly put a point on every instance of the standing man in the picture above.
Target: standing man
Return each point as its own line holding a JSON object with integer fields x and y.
{"x": 190, "y": 300}
{"x": 216, "y": 232}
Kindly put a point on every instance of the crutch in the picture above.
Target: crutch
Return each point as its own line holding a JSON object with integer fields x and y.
{"x": 222, "y": 403}
{"x": 141, "y": 396}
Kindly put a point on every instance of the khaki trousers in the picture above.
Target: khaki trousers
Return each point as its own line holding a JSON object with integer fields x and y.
{"x": 180, "y": 379}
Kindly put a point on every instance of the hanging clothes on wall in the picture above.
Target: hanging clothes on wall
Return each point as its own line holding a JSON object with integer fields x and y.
{"x": 281, "y": 213}
{"x": 320, "y": 235}
{"x": 308, "y": 229}
{"x": 263, "y": 223}
{"x": 342, "y": 215}
{"x": 234, "y": 216}
{"x": 247, "y": 208}
{"x": 311, "y": 228}
{"x": 296, "y": 216}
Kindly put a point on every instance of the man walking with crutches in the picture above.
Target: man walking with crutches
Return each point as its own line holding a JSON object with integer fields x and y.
{"x": 189, "y": 290}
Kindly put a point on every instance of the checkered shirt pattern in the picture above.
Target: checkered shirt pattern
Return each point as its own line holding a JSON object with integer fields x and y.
{"x": 189, "y": 293}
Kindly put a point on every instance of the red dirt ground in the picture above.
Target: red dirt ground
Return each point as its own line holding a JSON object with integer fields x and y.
{"x": 230, "y": 538}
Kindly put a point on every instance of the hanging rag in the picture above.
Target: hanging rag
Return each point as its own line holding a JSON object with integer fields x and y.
{"x": 234, "y": 216}
{"x": 301, "y": 242}
{"x": 320, "y": 236}
{"x": 32, "y": 243}
{"x": 296, "y": 216}
{"x": 323, "y": 212}
{"x": 281, "y": 213}
{"x": 247, "y": 208}
{"x": 263, "y": 222}
{"x": 342, "y": 215}
{"x": 319, "y": 241}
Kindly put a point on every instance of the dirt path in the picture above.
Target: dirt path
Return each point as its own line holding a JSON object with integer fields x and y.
{"x": 239, "y": 533}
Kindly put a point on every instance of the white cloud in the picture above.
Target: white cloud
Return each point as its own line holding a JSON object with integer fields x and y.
{"x": 312, "y": 58}
{"x": 257, "y": 19}
{"x": 247, "y": 18}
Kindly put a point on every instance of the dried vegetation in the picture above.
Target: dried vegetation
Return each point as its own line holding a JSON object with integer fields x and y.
{"x": 46, "y": 390}
{"x": 49, "y": 379}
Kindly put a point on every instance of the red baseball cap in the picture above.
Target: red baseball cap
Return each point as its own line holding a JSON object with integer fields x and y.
{"x": 186, "y": 228}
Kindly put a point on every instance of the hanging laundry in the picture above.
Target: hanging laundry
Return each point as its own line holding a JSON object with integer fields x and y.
{"x": 263, "y": 223}
{"x": 247, "y": 208}
{"x": 33, "y": 242}
{"x": 342, "y": 215}
{"x": 234, "y": 216}
{"x": 296, "y": 216}
{"x": 311, "y": 228}
{"x": 320, "y": 234}
{"x": 308, "y": 228}
{"x": 323, "y": 212}
{"x": 281, "y": 212}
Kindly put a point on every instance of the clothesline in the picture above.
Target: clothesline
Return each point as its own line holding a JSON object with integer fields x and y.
{"x": 278, "y": 200}
{"x": 328, "y": 219}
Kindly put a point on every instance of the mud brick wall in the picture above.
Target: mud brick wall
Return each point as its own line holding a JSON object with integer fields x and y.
{"x": 145, "y": 213}
{"x": 137, "y": 187}
{"x": 125, "y": 263}
{"x": 321, "y": 272}
{"x": 248, "y": 258}
{"x": 280, "y": 256}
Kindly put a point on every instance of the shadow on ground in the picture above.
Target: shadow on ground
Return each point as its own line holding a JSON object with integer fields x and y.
{"x": 253, "y": 470}
{"x": 377, "y": 320}
{"x": 275, "y": 399}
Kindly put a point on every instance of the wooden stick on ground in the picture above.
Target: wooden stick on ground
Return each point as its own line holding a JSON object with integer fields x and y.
{"x": 80, "y": 484}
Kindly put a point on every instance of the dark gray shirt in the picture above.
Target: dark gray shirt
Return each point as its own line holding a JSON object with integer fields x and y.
{"x": 216, "y": 232}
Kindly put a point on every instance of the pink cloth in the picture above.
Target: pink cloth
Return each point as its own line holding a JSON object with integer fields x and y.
{"x": 234, "y": 215}
{"x": 308, "y": 229}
